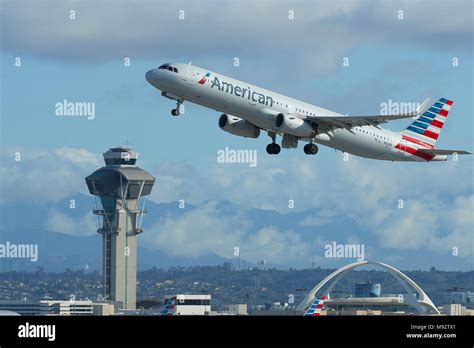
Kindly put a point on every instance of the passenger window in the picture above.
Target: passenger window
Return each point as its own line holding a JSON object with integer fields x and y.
{"x": 170, "y": 68}
{"x": 175, "y": 70}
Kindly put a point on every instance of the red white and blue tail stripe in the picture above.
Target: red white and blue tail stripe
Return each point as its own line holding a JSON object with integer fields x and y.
{"x": 169, "y": 305}
{"x": 316, "y": 306}
{"x": 425, "y": 130}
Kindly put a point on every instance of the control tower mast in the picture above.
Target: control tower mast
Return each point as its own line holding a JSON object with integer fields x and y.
{"x": 120, "y": 186}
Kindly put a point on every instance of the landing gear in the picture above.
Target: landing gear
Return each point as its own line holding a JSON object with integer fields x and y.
{"x": 310, "y": 149}
{"x": 179, "y": 108}
{"x": 273, "y": 148}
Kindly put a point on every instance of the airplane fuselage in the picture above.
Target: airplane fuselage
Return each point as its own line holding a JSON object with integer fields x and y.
{"x": 260, "y": 107}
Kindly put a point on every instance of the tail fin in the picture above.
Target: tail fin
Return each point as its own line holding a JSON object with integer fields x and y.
{"x": 169, "y": 304}
{"x": 316, "y": 306}
{"x": 427, "y": 127}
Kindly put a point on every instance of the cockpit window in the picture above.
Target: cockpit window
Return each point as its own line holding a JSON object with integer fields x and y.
{"x": 168, "y": 67}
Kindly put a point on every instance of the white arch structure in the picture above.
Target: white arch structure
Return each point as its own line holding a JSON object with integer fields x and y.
{"x": 421, "y": 304}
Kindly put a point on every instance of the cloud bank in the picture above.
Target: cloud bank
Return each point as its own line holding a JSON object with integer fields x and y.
{"x": 319, "y": 34}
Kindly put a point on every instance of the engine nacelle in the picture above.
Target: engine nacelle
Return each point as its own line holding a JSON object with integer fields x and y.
{"x": 293, "y": 125}
{"x": 238, "y": 126}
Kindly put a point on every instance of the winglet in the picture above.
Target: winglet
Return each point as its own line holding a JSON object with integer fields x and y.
{"x": 423, "y": 106}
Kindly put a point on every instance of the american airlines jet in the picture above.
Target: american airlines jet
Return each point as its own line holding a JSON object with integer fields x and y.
{"x": 315, "y": 308}
{"x": 247, "y": 109}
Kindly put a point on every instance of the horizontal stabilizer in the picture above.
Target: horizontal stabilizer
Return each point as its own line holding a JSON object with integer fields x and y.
{"x": 443, "y": 152}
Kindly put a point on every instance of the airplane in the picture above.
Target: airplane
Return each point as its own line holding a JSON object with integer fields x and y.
{"x": 168, "y": 307}
{"x": 247, "y": 109}
{"x": 315, "y": 308}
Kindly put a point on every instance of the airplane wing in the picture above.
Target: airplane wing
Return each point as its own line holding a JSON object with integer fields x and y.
{"x": 354, "y": 121}
{"x": 332, "y": 122}
{"x": 433, "y": 152}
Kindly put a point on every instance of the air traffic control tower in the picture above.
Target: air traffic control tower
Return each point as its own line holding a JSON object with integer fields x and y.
{"x": 120, "y": 186}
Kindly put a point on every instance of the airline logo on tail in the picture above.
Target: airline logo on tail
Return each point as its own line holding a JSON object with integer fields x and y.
{"x": 428, "y": 126}
{"x": 316, "y": 306}
{"x": 422, "y": 134}
{"x": 169, "y": 305}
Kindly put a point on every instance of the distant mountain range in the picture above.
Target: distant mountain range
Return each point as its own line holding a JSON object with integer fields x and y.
{"x": 29, "y": 223}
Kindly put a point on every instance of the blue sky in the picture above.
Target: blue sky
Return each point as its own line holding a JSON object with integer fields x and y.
{"x": 82, "y": 60}
{"x": 133, "y": 111}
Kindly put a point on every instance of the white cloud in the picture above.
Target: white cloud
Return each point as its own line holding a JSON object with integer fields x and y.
{"x": 205, "y": 230}
{"x": 59, "y": 222}
{"x": 322, "y": 218}
{"x": 80, "y": 157}
{"x": 200, "y": 231}
{"x": 277, "y": 247}
{"x": 412, "y": 227}
{"x": 433, "y": 225}
{"x": 320, "y": 34}
{"x": 461, "y": 227}
{"x": 436, "y": 213}
{"x": 44, "y": 176}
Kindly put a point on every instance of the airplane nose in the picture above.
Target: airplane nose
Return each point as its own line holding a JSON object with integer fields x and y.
{"x": 150, "y": 76}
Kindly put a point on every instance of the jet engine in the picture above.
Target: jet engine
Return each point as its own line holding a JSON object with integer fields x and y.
{"x": 237, "y": 126}
{"x": 290, "y": 124}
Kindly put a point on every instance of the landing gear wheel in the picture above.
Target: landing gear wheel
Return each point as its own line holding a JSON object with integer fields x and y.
{"x": 179, "y": 108}
{"x": 270, "y": 149}
{"x": 273, "y": 149}
{"x": 276, "y": 149}
{"x": 310, "y": 149}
